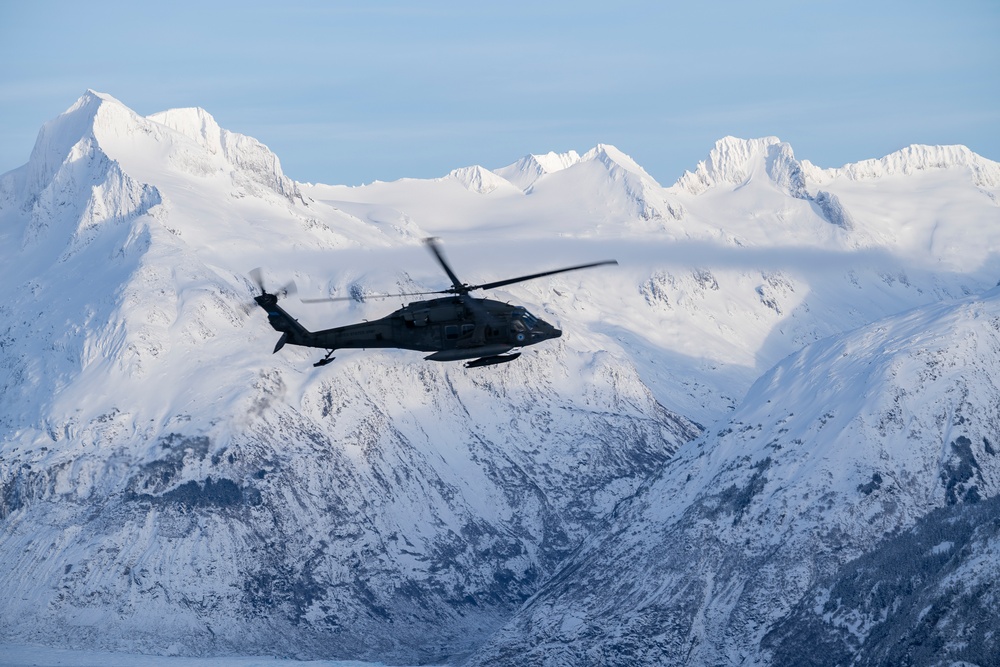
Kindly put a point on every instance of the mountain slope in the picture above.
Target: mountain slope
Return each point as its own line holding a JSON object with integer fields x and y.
{"x": 748, "y": 538}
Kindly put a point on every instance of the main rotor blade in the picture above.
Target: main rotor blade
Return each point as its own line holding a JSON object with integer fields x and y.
{"x": 510, "y": 281}
{"x": 459, "y": 286}
{"x": 476, "y": 307}
{"x": 365, "y": 297}
{"x": 328, "y": 299}
{"x": 257, "y": 276}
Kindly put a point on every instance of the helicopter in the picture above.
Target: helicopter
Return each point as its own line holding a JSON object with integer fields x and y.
{"x": 453, "y": 328}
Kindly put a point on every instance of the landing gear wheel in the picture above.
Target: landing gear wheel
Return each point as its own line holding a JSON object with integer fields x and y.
{"x": 325, "y": 360}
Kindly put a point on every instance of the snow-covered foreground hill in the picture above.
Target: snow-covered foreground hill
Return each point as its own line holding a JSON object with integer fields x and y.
{"x": 167, "y": 485}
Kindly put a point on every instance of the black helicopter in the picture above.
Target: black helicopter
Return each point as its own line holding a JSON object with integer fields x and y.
{"x": 454, "y": 328}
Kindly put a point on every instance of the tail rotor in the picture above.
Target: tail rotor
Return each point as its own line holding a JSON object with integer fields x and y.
{"x": 257, "y": 276}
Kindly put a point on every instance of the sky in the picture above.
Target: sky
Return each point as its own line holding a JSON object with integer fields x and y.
{"x": 352, "y": 92}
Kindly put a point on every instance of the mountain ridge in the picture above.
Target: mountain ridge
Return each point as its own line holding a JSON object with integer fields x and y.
{"x": 912, "y": 159}
{"x": 524, "y": 172}
{"x": 160, "y": 462}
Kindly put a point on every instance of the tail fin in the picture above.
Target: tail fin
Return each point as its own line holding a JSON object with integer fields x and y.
{"x": 291, "y": 331}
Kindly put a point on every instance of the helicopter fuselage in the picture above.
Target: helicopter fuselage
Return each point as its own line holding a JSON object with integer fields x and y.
{"x": 452, "y": 328}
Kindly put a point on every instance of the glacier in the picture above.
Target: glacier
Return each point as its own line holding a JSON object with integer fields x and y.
{"x": 789, "y": 378}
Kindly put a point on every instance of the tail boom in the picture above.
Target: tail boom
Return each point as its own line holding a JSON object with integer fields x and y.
{"x": 291, "y": 331}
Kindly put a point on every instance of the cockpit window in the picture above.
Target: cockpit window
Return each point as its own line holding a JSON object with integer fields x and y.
{"x": 525, "y": 319}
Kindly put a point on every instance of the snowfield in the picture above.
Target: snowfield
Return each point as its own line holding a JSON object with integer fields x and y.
{"x": 782, "y": 400}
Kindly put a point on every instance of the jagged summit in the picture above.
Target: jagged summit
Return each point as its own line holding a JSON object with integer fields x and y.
{"x": 612, "y": 158}
{"x": 72, "y": 185}
{"x": 604, "y": 172}
{"x": 552, "y": 162}
{"x": 615, "y": 176}
{"x": 99, "y": 127}
{"x": 87, "y": 105}
{"x": 530, "y": 168}
{"x": 243, "y": 152}
{"x": 74, "y": 127}
{"x": 735, "y": 162}
{"x": 193, "y": 122}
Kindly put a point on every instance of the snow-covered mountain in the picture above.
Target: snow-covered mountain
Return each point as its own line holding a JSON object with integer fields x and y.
{"x": 169, "y": 485}
{"x": 206, "y": 496}
{"x": 530, "y": 168}
{"x": 838, "y": 506}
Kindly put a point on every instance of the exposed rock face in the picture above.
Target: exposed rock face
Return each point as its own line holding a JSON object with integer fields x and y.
{"x": 924, "y": 596}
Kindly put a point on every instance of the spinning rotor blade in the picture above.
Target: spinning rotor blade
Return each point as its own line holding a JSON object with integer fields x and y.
{"x": 475, "y": 306}
{"x": 328, "y": 299}
{"x": 510, "y": 281}
{"x": 458, "y": 286}
{"x": 365, "y": 297}
{"x": 257, "y": 275}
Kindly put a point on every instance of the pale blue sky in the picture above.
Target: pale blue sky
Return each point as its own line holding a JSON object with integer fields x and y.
{"x": 353, "y": 92}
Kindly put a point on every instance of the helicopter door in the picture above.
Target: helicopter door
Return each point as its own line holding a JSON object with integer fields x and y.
{"x": 416, "y": 318}
{"x": 452, "y": 332}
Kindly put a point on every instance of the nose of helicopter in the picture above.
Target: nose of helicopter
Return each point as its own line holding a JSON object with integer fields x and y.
{"x": 545, "y": 331}
{"x": 550, "y": 332}
{"x": 542, "y": 330}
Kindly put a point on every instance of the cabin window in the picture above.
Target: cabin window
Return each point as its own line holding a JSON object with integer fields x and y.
{"x": 451, "y": 332}
{"x": 467, "y": 329}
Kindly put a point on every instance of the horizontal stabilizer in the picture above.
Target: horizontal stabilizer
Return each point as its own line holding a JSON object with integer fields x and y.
{"x": 281, "y": 342}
